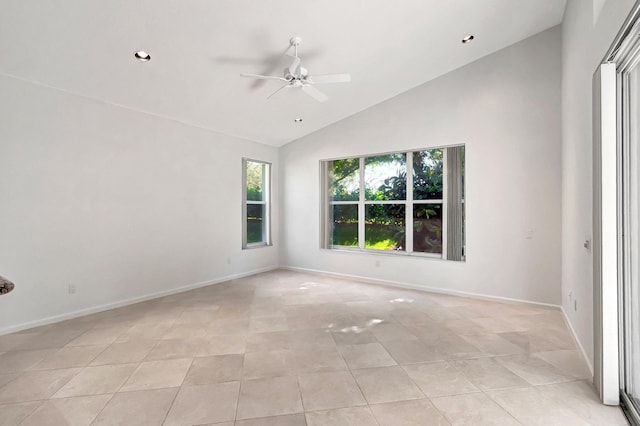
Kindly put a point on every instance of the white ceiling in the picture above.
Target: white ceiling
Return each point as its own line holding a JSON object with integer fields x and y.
{"x": 199, "y": 48}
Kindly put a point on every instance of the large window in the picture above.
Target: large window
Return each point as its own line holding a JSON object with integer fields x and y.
{"x": 403, "y": 202}
{"x": 256, "y": 204}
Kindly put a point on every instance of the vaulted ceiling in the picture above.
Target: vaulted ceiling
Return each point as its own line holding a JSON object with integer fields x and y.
{"x": 199, "y": 48}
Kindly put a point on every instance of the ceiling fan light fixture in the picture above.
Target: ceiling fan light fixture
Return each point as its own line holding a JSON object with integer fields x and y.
{"x": 142, "y": 56}
{"x": 468, "y": 39}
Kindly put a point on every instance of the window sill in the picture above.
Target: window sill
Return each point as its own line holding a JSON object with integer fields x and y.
{"x": 256, "y": 245}
{"x": 344, "y": 249}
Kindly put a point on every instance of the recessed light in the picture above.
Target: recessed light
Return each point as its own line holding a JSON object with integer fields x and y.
{"x": 298, "y": 120}
{"x": 468, "y": 39}
{"x": 143, "y": 56}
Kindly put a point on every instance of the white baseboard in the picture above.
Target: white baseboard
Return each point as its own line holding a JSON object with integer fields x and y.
{"x": 125, "y": 302}
{"x": 576, "y": 340}
{"x": 419, "y": 287}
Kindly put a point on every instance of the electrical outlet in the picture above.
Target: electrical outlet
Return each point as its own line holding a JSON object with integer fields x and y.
{"x": 72, "y": 289}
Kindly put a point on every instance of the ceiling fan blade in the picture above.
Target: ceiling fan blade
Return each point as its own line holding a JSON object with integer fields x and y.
{"x": 294, "y": 68}
{"x": 277, "y": 91}
{"x": 272, "y": 63}
{"x": 315, "y": 93}
{"x": 330, "y": 78}
{"x": 263, "y": 77}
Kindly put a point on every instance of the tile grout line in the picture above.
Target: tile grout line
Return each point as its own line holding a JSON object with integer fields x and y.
{"x": 235, "y": 416}
{"x": 304, "y": 411}
{"x": 375, "y": 418}
{"x": 42, "y": 402}
{"x": 501, "y": 406}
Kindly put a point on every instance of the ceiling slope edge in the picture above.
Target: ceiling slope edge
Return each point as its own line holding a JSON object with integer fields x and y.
{"x": 128, "y": 108}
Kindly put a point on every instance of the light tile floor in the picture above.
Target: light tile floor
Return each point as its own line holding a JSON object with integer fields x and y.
{"x": 287, "y": 349}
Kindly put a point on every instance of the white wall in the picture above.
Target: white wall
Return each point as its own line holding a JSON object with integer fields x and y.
{"x": 118, "y": 203}
{"x": 588, "y": 30}
{"x": 506, "y": 109}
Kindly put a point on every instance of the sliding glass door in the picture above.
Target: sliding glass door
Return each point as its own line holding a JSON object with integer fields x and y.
{"x": 630, "y": 209}
{"x": 628, "y": 70}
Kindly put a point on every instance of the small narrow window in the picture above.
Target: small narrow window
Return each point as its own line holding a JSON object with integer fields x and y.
{"x": 256, "y": 208}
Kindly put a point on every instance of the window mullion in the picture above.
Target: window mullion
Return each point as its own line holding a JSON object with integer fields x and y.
{"x": 343, "y": 203}
{"x": 361, "y": 207}
{"x": 445, "y": 195}
{"x": 430, "y": 201}
{"x": 409, "y": 205}
{"x": 384, "y": 202}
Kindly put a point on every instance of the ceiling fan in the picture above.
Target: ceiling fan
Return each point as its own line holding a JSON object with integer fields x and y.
{"x": 296, "y": 76}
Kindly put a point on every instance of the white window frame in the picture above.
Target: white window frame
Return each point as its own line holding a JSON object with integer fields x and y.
{"x": 409, "y": 202}
{"x": 266, "y": 202}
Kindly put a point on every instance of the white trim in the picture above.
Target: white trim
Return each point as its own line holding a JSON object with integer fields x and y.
{"x": 130, "y": 301}
{"x": 445, "y": 206}
{"x": 244, "y": 203}
{"x": 419, "y": 287}
{"x": 354, "y": 249}
{"x": 374, "y": 202}
{"x": 362, "y": 211}
{"x": 605, "y": 180}
{"x": 408, "y": 209}
{"x": 344, "y": 203}
{"x": 400, "y": 151}
{"x": 577, "y": 341}
{"x": 430, "y": 201}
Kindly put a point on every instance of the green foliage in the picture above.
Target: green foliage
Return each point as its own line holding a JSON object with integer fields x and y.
{"x": 381, "y": 237}
{"x": 345, "y": 213}
{"x": 427, "y": 184}
{"x": 345, "y": 179}
{"x": 385, "y": 228}
{"x": 427, "y": 174}
{"x": 255, "y": 181}
{"x": 385, "y": 236}
{"x": 254, "y": 231}
{"x": 345, "y": 234}
{"x": 255, "y": 215}
{"x": 427, "y": 228}
{"x": 393, "y": 187}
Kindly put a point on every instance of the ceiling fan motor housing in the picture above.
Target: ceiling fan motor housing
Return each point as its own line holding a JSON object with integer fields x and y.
{"x": 303, "y": 74}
